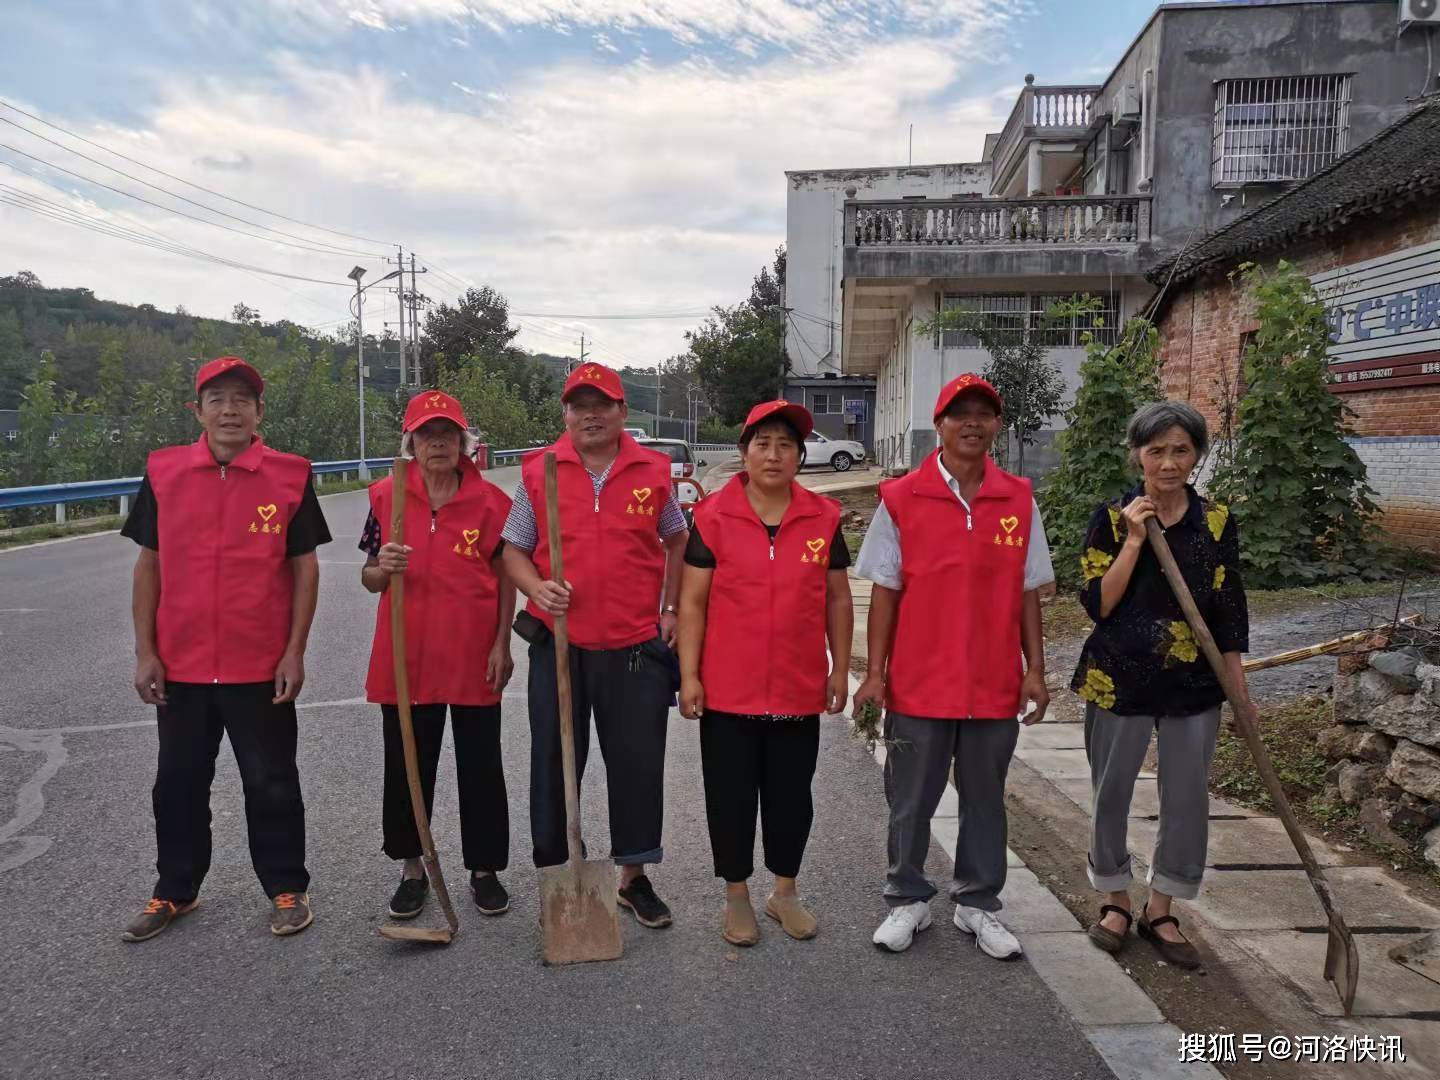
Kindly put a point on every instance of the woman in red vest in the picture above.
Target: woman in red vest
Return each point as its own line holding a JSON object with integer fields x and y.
{"x": 764, "y": 591}
{"x": 458, "y": 607}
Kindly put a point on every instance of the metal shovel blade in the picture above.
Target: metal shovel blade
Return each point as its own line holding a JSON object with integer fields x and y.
{"x": 1342, "y": 962}
{"x": 442, "y": 936}
{"x": 578, "y": 921}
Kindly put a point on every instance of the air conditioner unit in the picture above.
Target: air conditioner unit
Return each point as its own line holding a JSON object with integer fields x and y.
{"x": 1127, "y": 104}
{"x": 1419, "y": 13}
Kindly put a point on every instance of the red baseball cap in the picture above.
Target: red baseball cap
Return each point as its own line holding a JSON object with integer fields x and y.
{"x": 599, "y": 376}
{"x": 429, "y": 404}
{"x": 969, "y": 383}
{"x": 793, "y": 411}
{"x": 229, "y": 365}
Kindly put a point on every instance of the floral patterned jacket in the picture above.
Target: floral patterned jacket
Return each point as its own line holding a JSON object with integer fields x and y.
{"x": 1142, "y": 660}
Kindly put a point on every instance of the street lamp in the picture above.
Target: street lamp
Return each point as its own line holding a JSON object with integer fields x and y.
{"x": 355, "y": 275}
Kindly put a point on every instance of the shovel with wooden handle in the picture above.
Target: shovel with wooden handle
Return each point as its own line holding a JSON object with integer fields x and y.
{"x": 441, "y": 936}
{"x": 578, "y": 921}
{"x": 1342, "y": 961}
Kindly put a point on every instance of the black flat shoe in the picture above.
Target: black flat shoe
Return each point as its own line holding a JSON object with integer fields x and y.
{"x": 490, "y": 896}
{"x": 1180, "y": 953}
{"x": 409, "y": 898}
{"x": 1111, "y": 941}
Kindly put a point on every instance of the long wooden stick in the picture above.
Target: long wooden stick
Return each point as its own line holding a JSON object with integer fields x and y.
{"x": 562, "y": 668}
{"x": 1342, "y": 964}
{"x": 1291, "y": 656}
{"x": 402, "y": 702}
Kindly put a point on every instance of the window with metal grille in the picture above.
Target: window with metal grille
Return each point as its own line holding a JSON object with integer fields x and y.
{"x": 1285, "y": 128}
{"x": 1006, "y": 312}
{"x": 1012, "y": 313}
{"x": 1068, "y": 331}
{"x": 824, "y": 403}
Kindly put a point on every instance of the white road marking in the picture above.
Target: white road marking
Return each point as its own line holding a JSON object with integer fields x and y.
{"x": 30, "y": 799}
{"x": 59, "y": 540}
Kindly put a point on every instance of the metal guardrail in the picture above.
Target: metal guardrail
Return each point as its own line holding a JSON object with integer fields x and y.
{"x": 61, "y": 495}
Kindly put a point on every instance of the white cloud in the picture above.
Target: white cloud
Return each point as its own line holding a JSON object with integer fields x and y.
{"x": 582, "y": 187}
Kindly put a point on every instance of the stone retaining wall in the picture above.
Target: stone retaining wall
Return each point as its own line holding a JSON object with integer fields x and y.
{"x": 1386, "y": 746}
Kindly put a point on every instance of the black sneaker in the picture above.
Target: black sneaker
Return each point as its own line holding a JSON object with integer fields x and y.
{"x": 490, "y": 896}
{"x": 648, "y": 909}
{"x": 409, "y": 897}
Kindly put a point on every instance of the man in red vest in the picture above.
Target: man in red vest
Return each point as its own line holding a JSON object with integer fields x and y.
{"x": 223, "y": 596}
{"x": 956, "y": 553}
{"x": 624, "y": 542}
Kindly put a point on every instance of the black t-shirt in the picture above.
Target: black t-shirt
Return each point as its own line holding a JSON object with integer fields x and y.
{"x": 307, "y": 529}
{"x": 698, "y": 554}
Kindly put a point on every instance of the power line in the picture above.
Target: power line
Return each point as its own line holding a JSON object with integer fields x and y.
{"x": 187, "y": 183}
{"x": 84, "y": 221}
{"x": 167, "y": 209}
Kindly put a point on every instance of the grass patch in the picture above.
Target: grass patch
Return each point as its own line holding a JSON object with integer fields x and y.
{"x": 1064, "y": 617}
{"x": 1281, "y": 601}
{"x": 339, "y": 487}
{"x": 34, "y": 534}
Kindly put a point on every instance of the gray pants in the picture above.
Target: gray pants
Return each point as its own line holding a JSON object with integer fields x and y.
{"x": 917, "y": 766}
{"x": 1116, "y": 746}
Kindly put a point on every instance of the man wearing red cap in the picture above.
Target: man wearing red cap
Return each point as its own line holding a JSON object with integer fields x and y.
{"x": 458, "y": 607}
{"x": 624, "y": 541}
{"x": 224, "y": 593}
{"x": 956, "y": 552}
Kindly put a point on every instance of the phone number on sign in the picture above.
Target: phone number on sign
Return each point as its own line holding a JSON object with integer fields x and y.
{"x": 1384, "y": 1049}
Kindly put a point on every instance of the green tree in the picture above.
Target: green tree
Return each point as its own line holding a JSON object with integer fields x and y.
{"x": 15, "y": 368}
{"x": 1018, "y": 367}
{"x": 494, "y": 408}
{"x": 1095, "y": 465}
{"x": 739, "y": 358}
{"x": 477, "y": 325}
{"x": 1298, "y": 489}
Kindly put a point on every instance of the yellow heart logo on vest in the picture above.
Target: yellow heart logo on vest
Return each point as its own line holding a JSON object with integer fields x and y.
{"x": 471, "y": 535}
{"x": 815, "y": 545}
{"x": 641, "y": 494}
{"x": 1009, "y": 523}
{"x": 266, "y": 512}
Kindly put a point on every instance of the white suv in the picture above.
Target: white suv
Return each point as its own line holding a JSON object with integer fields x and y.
{"x": 839, "y": 454}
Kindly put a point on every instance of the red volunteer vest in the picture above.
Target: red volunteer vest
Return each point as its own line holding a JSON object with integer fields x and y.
{"x": 765, "y": 649}
{"x": 452, "y": 595}
{"x": 613, "y": 555}
{"x": 956, "y": 653}
{"x": 225, "y": 582}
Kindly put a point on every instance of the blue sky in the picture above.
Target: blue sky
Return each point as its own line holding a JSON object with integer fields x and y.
{"x": 580, "y": 155}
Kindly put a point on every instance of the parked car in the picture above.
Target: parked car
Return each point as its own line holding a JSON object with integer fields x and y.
{"x": 637, "y": 433}
{"x": 682, "y": 459}
{"x": 839, "y": 454}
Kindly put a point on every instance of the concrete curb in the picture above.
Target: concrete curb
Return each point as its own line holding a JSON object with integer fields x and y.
{"x": 1124, "y": 1026}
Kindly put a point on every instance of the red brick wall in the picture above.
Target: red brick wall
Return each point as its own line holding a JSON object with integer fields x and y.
{"x": 1205, "y": 320}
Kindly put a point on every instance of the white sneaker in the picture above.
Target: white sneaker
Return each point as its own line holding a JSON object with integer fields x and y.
{"x": 990, "y": 934}
{"x": 901, "y": 925}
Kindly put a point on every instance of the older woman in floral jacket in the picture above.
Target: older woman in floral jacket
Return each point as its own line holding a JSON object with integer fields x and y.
{"x": 1141, "y": 671}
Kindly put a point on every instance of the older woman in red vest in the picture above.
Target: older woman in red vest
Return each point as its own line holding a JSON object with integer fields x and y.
{"x": 458, "y": 607}
{"x": 957, "y": 554}
{"x": 764, "y": 593}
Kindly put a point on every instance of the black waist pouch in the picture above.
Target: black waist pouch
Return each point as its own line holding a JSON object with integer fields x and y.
{"x": 662, "y": 654}
{"x": 531, "y": 628}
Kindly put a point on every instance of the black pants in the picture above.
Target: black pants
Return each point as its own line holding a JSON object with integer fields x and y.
{"x": 484, "y": 811}
{"x": 630, "y": 694}
{"x": 747, "y": 762}
{"x": 263, "y": 737}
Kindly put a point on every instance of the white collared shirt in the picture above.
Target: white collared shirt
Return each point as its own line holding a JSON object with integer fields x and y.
{"x": 879, "y": 559}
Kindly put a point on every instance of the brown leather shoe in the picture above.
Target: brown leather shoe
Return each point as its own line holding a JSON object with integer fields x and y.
{"x": 1110, "y": 940}
{"x": 740, "y": 926}
{"x": 792, "y": 916}
{"x": 1180, "y": 953}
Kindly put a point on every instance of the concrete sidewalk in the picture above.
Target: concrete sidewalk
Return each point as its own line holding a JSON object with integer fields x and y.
{"x": 1257, "y": 913}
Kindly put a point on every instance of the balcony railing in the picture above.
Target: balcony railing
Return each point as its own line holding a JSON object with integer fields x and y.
{"x": 1096, "y": 220}
{"x": 1044, "y": 110}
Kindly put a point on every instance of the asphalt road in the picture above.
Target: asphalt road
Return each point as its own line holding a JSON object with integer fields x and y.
{"x": 219, "y": 996}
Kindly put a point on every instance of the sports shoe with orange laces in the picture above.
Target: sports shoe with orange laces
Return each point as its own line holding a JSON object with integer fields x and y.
{"x": 158, "y": 914}
{"x": 291, "y": 913}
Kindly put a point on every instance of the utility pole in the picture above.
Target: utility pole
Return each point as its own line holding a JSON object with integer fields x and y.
{"x": 414, "y": 317}
{"x": 404, "y": 341}
{"x": 582, "y": 353}
{"x": 659, "y": 379}
{"x": 355, "y": 275}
